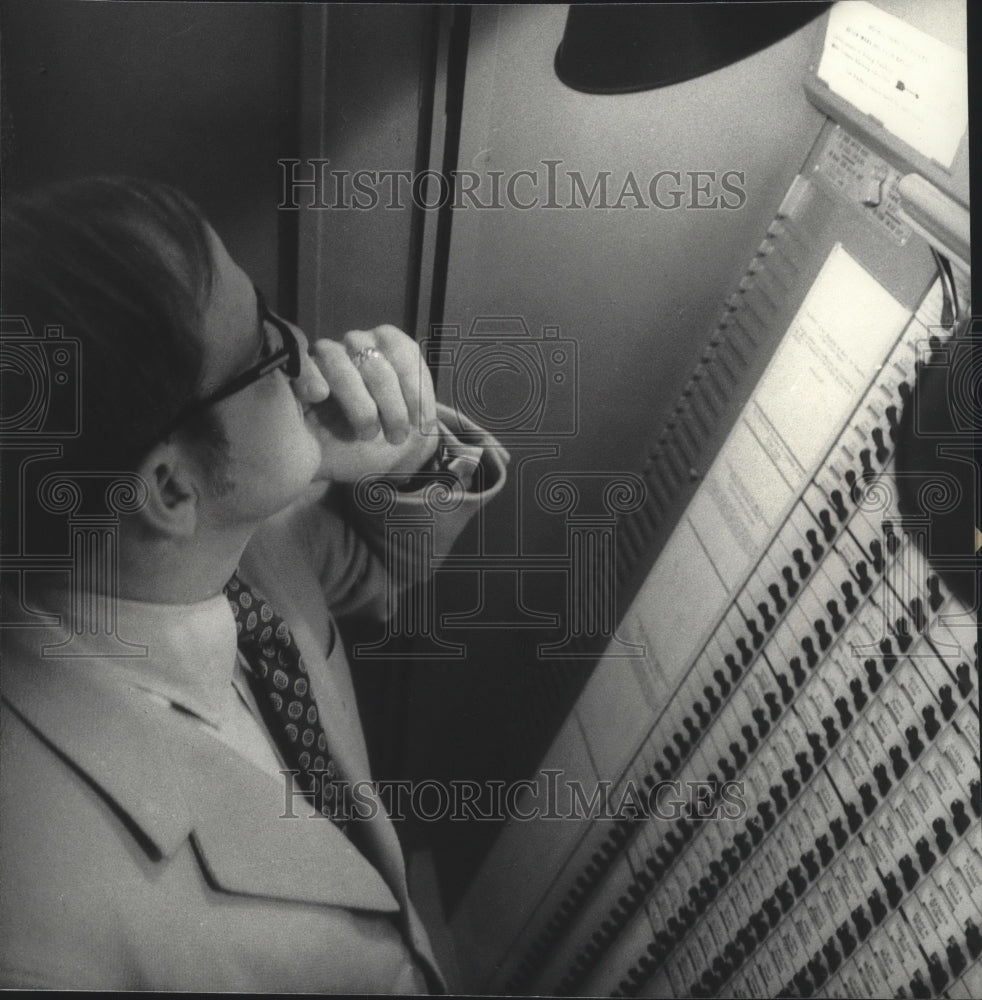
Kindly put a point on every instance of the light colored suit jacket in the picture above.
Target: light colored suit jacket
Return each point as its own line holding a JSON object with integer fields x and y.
{"x": 139, "y": 850}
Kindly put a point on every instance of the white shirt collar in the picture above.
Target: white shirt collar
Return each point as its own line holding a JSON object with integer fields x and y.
{"x": 184, "y": 653}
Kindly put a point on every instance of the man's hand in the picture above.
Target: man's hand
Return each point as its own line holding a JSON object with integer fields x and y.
{"x": 380, "y": 418}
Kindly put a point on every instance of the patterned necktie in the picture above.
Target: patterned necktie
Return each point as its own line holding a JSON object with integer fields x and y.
{"x": 286, "y": 701}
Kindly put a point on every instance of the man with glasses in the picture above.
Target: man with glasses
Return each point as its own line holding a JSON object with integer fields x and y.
{"x": 155, "y": 828}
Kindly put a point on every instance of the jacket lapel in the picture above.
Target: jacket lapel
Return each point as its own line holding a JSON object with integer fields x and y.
{"x": 173, "y": 779}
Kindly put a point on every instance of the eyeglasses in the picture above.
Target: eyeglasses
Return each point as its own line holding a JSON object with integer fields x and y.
{"x": 286, "y": 357}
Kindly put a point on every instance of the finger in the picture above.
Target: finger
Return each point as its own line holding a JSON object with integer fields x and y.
{"x": 414, "y": 377}
{"x": 310, "y": 385}
{"x": 382, "y": 382}
{"x": 348, "y": 389}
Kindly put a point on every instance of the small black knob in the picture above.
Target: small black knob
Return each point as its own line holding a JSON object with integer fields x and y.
{"x": 825, "y": 851}
{"x": 893, "y": 419}
{"x": 973, "y": 938}
{"x": 931, "y": 724}
{"x": 935, "y": 597}
{"x": 735, "y": 669}
{"x": 810, "y": 865}
{"x": 867, "y": 797}
{"x": 803, "y": 568}
{"x": 798, "y": 881}
{"x": 779, "y": 603}
{"x": 894, "y": 892}
{"x": 784, "y": 896}
{"x": 941, "y": 835}
{"x": 948, "y": 705}
{"x": 749, "y": 737}
{"x": 846, "y": 939}
{"x": 918, "y": 988}
{"x": 842, "y": 707}
{"x": 815, "y": 547}
{"x": 904, "y": 635}
{"x": 852, "y": 601}
{"x": 914, "y": 744}
{"x": 852, "y": 816}
{"x": 769, "y": 621}
{"x": 889, "y": 657}
{"x": 818, "y": 748}
{"x": 838, "y": 506}
{"x": 876, "y": 906}
{"x": 876, "y": 553}
{"x": 839, "y": 834}
{"x": 861, "y": 922}
{"x": 743, "y": 845}
{"x": 873, "y": 677}
{"x": 890, "y": 536}
{"x": 858, "y": 694}
{"x": 956, "y": 957}
{"x": 882, "y": 452}
{"x": 821, "y": 630}
{"x": 863, "y": 577}
{"x": 760, "y": 717}
{"x": 777, "y": 797}
{"x": 787, "y": 692}
{"x": 773, "y": 705}
{"x": 745, "y": 655}
{"x": 791, "y": 780}
{"x": 811, "y": 656}
{"x": 756, "y": 834}
{"x": 739, "y": 757}
{"x": 766, "y": 814}
{"x": 798, "y": 674}
{"x": 899, "y": 764}
{"x": 802, "y": 984}
{"x": 917, "y": 613}
{"x": 724, "y": 684}
{"x": 925, "y": 855}
{"x": 828, "y": 528}
{"x": 832, "y": 956}
{"x": 959, "y": 817}
{"x": 939, "y": 975}
{"x": 690, "y": 727}
{"x": 835, "y": 615}
{"x": 964, "y": 677}
{"x": 711, "y": 699}
{"x": 883, "y": 782}
{"x": 804, "y": 765}
{"x": 908, "y": 871}
{"x": 790, "y": 582}
{"x": 831, "y": 733}
{"x": 817, "y": 968}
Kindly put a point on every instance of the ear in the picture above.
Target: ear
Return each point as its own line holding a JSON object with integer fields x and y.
{"x": 171, "y": 509}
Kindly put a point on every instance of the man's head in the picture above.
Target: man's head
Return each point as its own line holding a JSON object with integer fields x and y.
{"x": 164, "y": 317}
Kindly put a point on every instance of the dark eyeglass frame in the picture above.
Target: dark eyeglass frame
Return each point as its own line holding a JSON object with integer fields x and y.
{"x": 287, "y": 357}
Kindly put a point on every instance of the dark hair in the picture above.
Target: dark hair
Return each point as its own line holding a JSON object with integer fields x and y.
{"x": 123, "y": 267}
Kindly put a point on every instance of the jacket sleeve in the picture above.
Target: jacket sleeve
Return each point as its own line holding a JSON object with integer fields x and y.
{"x": 371, "y": 541}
